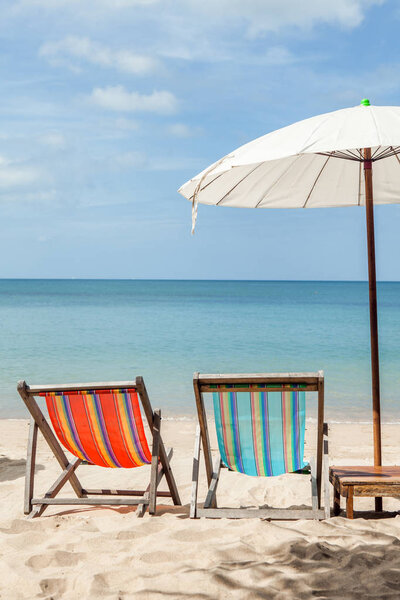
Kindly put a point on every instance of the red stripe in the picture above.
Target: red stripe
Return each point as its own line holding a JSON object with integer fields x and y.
{"x": 82, "y": 423}
{"x": 138, "y": 423}
{"x": 113, "y": 430}
{"x": 116, "y": 439}
{"x": 53, "y": 414}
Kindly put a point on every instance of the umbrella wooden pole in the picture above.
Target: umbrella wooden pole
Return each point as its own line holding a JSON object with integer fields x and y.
{"x": 373, "y": 315}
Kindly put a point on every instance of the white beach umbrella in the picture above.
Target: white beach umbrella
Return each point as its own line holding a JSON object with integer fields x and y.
{"x": 324, "y": 161}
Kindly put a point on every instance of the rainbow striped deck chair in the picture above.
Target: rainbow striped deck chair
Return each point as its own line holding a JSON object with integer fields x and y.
{"x": 260, "y": 429}
{"x": 97, "y": 424}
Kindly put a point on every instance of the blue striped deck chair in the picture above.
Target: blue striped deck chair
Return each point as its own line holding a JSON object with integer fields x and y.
{"x": 260, "y": 428}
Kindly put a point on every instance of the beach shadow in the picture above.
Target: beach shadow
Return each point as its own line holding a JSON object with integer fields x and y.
{"x": 370, "y": 515}
{"x": 11, "y": 469}
{"x": 193, "y": 596}
{"x": 180, "y": 511}
{"x": 309, "y": 570}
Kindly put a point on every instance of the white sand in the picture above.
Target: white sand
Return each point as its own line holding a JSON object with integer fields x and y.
{"x": 109, "y": 553}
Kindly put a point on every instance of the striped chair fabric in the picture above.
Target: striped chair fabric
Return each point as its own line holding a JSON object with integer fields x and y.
{"x": 261, "y": 433}
{"x": 103, "y": 427}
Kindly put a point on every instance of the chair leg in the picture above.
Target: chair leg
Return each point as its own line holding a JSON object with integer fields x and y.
{"x": 141, "y": 509}
{"x": 336, "y": 502}
{"x": 140, "y": 386}
{"x": 349, "y": 503}
{"x": 48, "y": 435}
{"x": 195, "y": 474}
{"x": 212, "y": 490}
{"x": 56, "y": 487}
{"x": 314, "y": 487}
{"x": 30, "y": 466}
{"x": 325, "y": 468}
{"x": 154, "y": 461}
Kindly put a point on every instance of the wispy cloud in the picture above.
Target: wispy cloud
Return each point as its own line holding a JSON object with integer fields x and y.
{"x": 262, "y": 16}
{"x": 79, "y": 5}
{"x": 13, "y": 174}
{"x": 71, "y": 51}
{"x": 278, "y": 56}
{"x": 139, "y": 161}
{"x": 181, "y": 130}
{"x": 117, "y": 98}
{"x": 126, "y": 124}
{"x": 53, "y": 139}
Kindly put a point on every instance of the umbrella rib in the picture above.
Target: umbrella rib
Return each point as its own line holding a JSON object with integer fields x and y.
{"x": 377, "y": 151}
{"x": 238, "y": 183}
{"x": 352, "y": 154}
{"x": 398, "y": 159}
{"x": 382, "y": 153}
{"x": 209, "y": 183}
{"x": 315, "y": 181}
{"x": 338, "y": 154}
{"x": 359, "y": 185}
{"x": 388, "y": 152}
{"x": 277, "y": 180}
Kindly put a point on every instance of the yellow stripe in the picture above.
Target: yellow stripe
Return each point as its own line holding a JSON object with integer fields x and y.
{"x": 259, "y": 433}
{"x": 130, "y": 446}
{"x": 228, "y": 432}
{"x": 65, "y": 426}
{"x": 288, "y": 431}
{"x": 96, "y": 432}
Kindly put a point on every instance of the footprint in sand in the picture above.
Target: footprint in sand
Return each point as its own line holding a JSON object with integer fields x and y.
{"x": 60, "y": 558}
{"x": 39, "y": 561}
{"x": 127, "y": 535}
{"x": 158, "y": 557}
{"x": 51, "y": 587}
{"x": 20, "y": 526}
{"x": 188, "y": 535}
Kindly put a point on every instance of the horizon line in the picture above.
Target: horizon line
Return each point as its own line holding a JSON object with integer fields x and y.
{"x": 194, "y": 279}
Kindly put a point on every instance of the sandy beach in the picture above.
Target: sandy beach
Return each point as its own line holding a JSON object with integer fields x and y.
{"x": 109, "y": 553}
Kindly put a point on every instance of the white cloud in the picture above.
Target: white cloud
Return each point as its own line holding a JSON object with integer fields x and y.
{"x": 279, "y": 56}
{"x": 142, "y": 162}
{"x": 53, "y": 139}
{"x": 273, "y": 15}
{"x": 256, "y": 16}
{"x": 126, "y": 124}
{"x": 68, "y": 51}
{"x": 80, "y": 5}
{"x": 117, "y": 98}
{"x": 133, "y": 160}
{"x": 16, "y": 175}
{"x": 181, "y": 130}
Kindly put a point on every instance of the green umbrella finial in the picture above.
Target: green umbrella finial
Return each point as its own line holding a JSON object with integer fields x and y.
{"x": 365, "y": 102}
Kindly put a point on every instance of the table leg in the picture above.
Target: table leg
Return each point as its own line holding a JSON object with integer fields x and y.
{"x": 378, "y": 505}
{"x": 336, "y": 502}
{"x": 349, "y": 502}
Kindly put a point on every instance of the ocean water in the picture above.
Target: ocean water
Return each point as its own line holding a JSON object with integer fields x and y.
{"x": 54, "y": 331}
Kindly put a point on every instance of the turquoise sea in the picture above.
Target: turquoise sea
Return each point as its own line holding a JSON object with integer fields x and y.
{"x": 55, "y": 331}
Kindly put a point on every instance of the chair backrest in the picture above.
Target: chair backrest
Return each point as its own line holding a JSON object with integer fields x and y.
{"x": 100, "y": 425}
{"x": 260, "y": 422}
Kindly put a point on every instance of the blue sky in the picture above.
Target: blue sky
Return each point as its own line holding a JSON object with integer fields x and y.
{"x": 108, "y": 106}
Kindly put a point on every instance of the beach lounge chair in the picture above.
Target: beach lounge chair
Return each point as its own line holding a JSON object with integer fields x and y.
{"x": 100, "y": 424}
{"x": 260, "y": 425}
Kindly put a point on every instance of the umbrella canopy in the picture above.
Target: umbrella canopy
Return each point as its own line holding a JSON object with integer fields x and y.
{"x": 319, "y": 162}
{"x": 297, "y": 166}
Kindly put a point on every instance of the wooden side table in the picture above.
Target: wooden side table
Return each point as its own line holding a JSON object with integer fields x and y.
{"x": 363, "y": 481}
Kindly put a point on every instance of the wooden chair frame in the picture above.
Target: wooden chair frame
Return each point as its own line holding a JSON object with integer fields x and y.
{"x": 160, "y": 463}
{"x": 311, "y": 382}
